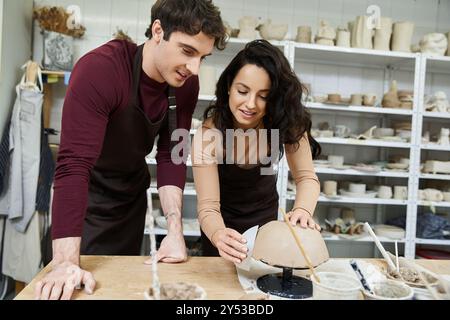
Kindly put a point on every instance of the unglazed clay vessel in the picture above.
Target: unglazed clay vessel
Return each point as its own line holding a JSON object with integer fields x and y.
{"x": 402, "y": 36}
{"x": 361, "y": 34}
{"x": 382, "y": 38}
{"x": 434, "y": 44}
{"x": 343, "y": 38}
{"x": 276, "y": 246}
{"x": 304, "y": 34}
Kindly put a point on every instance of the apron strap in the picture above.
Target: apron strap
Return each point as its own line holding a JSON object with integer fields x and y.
{"x": 172, "y": 114}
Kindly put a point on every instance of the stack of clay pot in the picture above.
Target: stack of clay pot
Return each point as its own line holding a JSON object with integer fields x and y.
{"x": 326, "y": 34}
{"x": 397, "y": 99}
{"x": 406, "y": 98}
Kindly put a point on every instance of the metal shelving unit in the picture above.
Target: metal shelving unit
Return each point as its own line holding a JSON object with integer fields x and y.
{"x": 312, "y": 53}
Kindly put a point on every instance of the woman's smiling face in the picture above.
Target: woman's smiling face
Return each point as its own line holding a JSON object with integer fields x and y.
{"x": 248, "y": 96}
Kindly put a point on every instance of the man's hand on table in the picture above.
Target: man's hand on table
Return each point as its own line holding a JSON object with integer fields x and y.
{"x": 66, "y": 274}
{"x": 172, "y": 249}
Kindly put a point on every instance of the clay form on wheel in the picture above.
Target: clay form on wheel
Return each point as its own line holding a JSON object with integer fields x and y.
{"x": 275, "y": 246}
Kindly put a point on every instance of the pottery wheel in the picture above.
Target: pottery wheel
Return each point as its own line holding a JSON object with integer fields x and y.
{"x": 285, "y": 285}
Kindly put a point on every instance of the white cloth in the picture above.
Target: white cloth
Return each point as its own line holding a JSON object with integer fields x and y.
{"x": 19, "y": 202}
{"x": 22, "y": 251}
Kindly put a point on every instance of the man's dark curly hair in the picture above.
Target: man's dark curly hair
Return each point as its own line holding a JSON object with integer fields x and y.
{"x": 191, "y": 17}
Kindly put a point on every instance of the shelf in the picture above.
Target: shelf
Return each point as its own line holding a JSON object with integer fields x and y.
{"x": 435, "y": 147}
{"x": 360, "y": 109}
{"x": 435, "y": 176}
{"x": 440, "y": 115}
{"x": 368, "y": 143}
{"x": 438, "y": 64}
{"x": 353, "y": 56}
{"x": 361, "y": 239}
{"x": 434, "y": 204}
{"x": 433, "y": 241}
{"x": 353, "y": 172}
{"x": 291, "y": 196}
{"x": 163, "y": 232}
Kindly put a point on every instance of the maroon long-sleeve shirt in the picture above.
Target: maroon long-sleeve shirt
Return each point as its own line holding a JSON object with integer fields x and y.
{"x": 99, "y": 86}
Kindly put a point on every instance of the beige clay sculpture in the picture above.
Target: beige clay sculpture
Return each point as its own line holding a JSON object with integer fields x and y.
{"x": 390, "y": 99}
{"x": 269, "y": 31}
{"x": 434, "y": 44}
{"x": 275, "y": 246}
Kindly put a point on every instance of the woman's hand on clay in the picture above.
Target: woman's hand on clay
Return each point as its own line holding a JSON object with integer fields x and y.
{"x": 303, "y": 217}
{"x": 231, "y": 245}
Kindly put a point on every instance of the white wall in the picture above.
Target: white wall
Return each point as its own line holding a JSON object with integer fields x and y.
{"x": 15, "y": 50}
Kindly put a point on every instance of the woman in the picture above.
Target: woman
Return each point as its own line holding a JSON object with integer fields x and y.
{"x": 257, "y": 90}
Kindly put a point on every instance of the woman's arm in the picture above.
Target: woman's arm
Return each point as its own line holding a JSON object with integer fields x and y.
{"x": 306, "y": 182}
{"x": 229, "y": 242}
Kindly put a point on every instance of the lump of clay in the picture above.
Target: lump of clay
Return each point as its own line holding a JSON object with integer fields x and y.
{"x": 178, "y": 291}
{"x": 434, "y": 44}
{"x": 275, "y": 245}
{"x": 438, "y": 103}
{"x": 271, "y": 31}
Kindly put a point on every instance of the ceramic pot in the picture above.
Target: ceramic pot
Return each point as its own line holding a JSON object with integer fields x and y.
{"x": 304, "y": 34}
{"x": 382, "y": 38}
{"x": 361, "y": 34}
{"x": 343, "y": 38}
{"x": 402, "y": 36}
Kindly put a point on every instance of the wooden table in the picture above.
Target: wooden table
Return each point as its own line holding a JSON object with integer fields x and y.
{"x": 126, "y": 277}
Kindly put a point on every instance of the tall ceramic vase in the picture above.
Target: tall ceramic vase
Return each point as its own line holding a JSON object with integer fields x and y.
{"x": 402, "y": 36}
{"x": 361, "y": 33}
{"x": 382, "y": 37}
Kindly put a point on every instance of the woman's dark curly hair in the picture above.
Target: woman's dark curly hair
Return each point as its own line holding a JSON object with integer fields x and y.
{"x": 284, "y": 108}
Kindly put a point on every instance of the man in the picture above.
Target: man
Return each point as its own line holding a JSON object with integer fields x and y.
{"x": 112, "y": 114}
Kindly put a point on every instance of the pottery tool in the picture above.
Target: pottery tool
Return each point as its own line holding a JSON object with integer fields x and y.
{"x": 299, "y": 244}
{"x": 360, "y": 275}
{"x": 380, "y": 246}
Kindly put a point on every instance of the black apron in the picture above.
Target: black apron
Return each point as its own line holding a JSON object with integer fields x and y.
{"x": 247, "y": 198}
{"x": 117, "y": 202}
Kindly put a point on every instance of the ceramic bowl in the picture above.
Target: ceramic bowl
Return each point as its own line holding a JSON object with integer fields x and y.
{"x": 389, "y": 290}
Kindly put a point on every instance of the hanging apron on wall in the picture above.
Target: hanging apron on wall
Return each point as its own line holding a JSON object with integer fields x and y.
{"x": 23, "y": 228}
{"x": 247, "y": 198}
{"x": 117, "y": 201}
